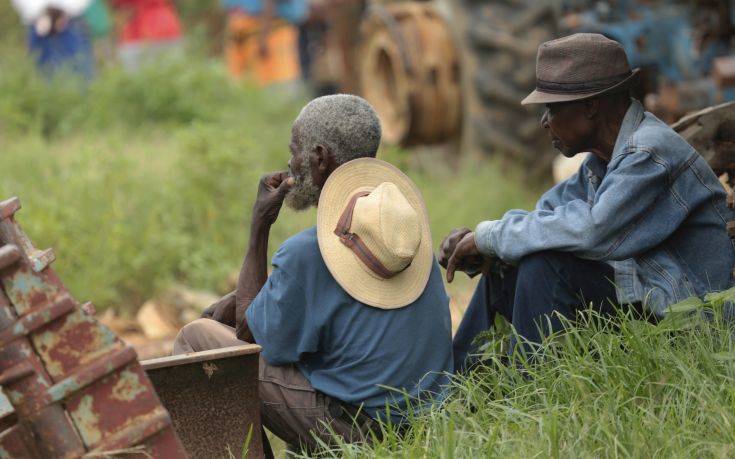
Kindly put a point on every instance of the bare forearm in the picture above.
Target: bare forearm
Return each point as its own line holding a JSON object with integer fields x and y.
{"x": 253, "y": 275}
{"x": 272, "y": 190}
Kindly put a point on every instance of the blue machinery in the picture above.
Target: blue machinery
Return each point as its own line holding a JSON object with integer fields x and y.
{"x": 675, "y": 42}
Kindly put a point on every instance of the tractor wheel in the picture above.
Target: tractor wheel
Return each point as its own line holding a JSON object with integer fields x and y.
{"x": 409, "y": 71}
{"x": 501, "y": 41}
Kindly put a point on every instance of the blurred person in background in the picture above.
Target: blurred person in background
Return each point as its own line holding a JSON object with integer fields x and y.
{"x": 99, "y": 23}
{"x": 58, "y": 37}
{"x": 98, "y": 19}
{"x": 262, "y": 39}
{"x": 317, "y": 69}
{"x": 150, "y": 29}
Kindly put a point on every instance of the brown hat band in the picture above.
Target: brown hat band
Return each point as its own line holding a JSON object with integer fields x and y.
{"x": 356, "y": 244}
{"x": 587, "y": 86}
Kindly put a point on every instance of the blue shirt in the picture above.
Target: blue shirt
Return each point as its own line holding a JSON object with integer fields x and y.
{"x": 656, "y": 212}
{"x": 346, "y": 349}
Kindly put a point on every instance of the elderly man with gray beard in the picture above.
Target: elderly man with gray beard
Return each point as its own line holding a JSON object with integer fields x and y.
{"x": 354, "y": 319}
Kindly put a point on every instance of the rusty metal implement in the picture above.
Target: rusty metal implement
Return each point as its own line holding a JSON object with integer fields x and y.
{"x": 213, "y": 399}
{"x": 75, "y": 388}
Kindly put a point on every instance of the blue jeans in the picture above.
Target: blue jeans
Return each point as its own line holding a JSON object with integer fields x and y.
{"x": 527, "y": 295}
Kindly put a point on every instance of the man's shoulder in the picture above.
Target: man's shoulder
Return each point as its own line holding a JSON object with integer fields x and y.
{"x": 656, "y": 137}
{"x": 303, "y": 238}
{"x": 299, "y": 251}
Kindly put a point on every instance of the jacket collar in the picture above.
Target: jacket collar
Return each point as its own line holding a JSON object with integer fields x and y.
{"x": 632, "y": 119}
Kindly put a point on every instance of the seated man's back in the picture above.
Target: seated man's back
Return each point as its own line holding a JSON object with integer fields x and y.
{"x": 354, "y": 317}
{"x": 346, "y": 349}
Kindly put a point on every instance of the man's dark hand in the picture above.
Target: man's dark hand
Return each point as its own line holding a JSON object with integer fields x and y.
{"x": 446, "y": 248}
{"x": 223, "y": 311}
{"x": 272, "y": 191}
{"x": 466, "y": 258}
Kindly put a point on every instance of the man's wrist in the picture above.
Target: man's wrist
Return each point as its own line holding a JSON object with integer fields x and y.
{"x": 482, "y": 238}
{"x": 259, "y": 227}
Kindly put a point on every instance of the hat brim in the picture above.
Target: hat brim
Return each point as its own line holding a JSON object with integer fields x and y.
{"x": 365, "y": 174}
{"x": 540, "y": 97}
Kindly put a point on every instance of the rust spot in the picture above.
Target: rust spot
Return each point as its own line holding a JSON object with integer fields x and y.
{"x": 209, "y": 369}
{"x": 128, "y": 387}
{"x": 87, "y": 420}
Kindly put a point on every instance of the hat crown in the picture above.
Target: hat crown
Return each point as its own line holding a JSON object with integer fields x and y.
{"x": 389, "y": 226}
{"x": 582, "y": 58}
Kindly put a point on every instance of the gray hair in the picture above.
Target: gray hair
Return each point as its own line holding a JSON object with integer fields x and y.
{"x": 346, "y": 124}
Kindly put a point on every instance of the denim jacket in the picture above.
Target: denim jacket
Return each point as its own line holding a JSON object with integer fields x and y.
{"x": 656, "y": 212}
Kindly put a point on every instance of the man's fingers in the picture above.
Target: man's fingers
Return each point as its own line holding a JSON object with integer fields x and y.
{"x": 285, "y": 186}
{"x": 282, "y": 175}
{"x": 275, "y": 179}
{"x": 443, "y": 253}
{"x": 451, "y": 267}
{"x": 449, "y": 244}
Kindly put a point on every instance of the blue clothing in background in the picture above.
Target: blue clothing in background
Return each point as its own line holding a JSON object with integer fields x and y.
{"x": 293, "y": 11}
{"x": 70, "y": 49}
{"x": 348, "y": 350}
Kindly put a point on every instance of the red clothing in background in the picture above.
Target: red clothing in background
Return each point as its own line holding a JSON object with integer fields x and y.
{"x": 148, "y": 20}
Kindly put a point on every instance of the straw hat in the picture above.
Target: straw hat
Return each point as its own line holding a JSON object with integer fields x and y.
{"x": 578, "y": 67}
{"x": 373, "y": 233}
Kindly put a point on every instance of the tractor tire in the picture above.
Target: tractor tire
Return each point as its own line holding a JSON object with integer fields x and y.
{"x": 409, "y": 71}
{"x": 499, "y": 57}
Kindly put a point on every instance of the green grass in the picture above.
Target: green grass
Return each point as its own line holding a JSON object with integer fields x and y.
{"x": 605, "y": 388}
{"x": 138, "y": 181}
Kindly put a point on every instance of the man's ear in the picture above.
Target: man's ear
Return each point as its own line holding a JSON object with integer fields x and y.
{"x": 322, "y": 158}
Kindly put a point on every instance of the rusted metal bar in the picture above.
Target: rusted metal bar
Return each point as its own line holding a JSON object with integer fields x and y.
{"x": 18, "y": 443}
{"x": 36, "y": 319}
{"x": 91, "y": 373}
{"x": 213, "y": 399}
{"x": 9, "y": 207}
{"x": 156, "y": 423}
{"x": 54, "y": 434}
{"x": 9, "y": 254}
{"x": 73, "y": 384}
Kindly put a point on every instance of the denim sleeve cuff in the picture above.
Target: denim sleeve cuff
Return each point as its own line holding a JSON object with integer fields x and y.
{"x": 482, "y": 238}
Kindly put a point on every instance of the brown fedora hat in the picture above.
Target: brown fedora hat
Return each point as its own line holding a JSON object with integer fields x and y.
{"x": 579, "y": 66}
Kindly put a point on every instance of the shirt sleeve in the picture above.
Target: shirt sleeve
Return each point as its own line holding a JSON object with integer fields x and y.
{"x": 570, "y": 189}
{"x": 279, "y": 321}
{"x": 615, "y": 226}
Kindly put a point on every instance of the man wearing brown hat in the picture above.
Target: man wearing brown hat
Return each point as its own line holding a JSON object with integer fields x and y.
{"x": 353, "y": 319}
{"x": 641, "y": 224}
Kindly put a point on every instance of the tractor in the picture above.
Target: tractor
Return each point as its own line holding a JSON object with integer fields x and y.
{"x": 444, "y": 70}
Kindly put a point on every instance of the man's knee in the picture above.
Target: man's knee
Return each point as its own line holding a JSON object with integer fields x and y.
{"x": 203, "y": 335}
{"x": 195, "y": 328}
{"x": 538, "y": 265}
{"x": 188, "y": 337}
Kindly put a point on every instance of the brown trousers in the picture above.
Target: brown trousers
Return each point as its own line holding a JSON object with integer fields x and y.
{"x": 290, "y": 407}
